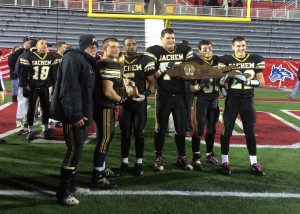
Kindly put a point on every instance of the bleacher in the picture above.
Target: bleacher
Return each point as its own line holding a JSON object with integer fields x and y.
{"x": 66, "y": 25}
{"x": 269, "y": 38}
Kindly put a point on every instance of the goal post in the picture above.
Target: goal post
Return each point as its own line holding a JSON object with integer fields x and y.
{"x": 131, "y": 15}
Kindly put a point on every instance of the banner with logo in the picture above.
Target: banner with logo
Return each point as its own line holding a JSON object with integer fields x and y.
{"x": 281, "y": 73}
{"x": 277, "y": 73}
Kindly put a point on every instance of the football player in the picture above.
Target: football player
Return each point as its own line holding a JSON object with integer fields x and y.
{"x": 37, "y": 76}
{"x": 239, "y": 100}
{"x": 133, "y": 114}
{"x": 106, "y": 97}
{"x": 170, "y": 96}
{"x": 206, "y": 108}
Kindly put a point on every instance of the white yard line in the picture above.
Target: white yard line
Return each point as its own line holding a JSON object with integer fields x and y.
{"x": 170, "y": 193}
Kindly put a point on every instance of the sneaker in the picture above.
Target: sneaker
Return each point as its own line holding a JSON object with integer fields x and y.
{"x": 159, "y": 163}
{"x": 2, "y": 141}
{"x": 292, "y": 98}
{"x": 81, "y": 191}
{"x": 123, "y": 168}
{"x": 70, "y": 201}
{"x": 30, "y": 135}
{"x": 138, "y": 169}
{"x": 255, "y": 169}
{"x": 225, "y": 169}
{"x": 197, "y": 164}
{"x": 183, "y": 162}
{"x": 47, "y": 135}
{"x": 212, "y": 159}
{"x": 109, "y": 173}
{"x": 103, "y": 183}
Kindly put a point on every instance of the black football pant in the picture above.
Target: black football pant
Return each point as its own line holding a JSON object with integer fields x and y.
{"x": 34, "y": 93}
{"x": 105, "y": 128}
{"x": 243, "y": 105}
{"x": 133, "y": 114}
{"x": 74, "y": 137}
{"x": 165, "y": 105}
{"x": 206, "y": 114}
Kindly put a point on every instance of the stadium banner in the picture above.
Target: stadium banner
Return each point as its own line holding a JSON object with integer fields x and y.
{"x": 281, "y": 73}
{"x": 278, "y": 73}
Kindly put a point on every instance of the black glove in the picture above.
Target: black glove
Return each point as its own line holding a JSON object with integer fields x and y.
{"x": 204, "y": 83}
{"x": 123, "y": 100}
{"x": 170, "y": 65}
{"x": 25, "y": 92}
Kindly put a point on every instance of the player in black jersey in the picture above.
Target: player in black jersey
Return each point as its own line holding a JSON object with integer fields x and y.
{"x": 37, "y": 76}
{"x": 133, "y": 114}
{"x": 239, "y": 100}
{"x": 170, "y": 96}
{"x": 106, "y": 97}
{"x": 206, "y": 108}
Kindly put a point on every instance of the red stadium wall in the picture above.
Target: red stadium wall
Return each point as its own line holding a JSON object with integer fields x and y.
{"x": 277, "y": 74}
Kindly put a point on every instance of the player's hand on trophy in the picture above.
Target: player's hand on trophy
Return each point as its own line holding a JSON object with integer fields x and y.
{"x": 170, "y": 66}
{"x": 140, "y": 98}
{"x": 224, "y": 80}
{"x": 242, "y": 79}
{"x": 204, "y": 83}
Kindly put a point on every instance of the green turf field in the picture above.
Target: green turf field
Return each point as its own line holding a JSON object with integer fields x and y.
{"x": 34, "y": 168}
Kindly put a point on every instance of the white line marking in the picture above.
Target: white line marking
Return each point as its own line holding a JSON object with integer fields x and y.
{"x": 170, "y": 193}
{"x": 290, "y": 112}
{"x": 5, "y": 105}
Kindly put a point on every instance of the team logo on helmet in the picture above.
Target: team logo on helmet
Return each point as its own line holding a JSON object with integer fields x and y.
{"x": 189, "y": 70}
{"x": 280, "y": 73}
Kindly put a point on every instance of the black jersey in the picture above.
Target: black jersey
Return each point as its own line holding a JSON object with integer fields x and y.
{"x": 162, "y": 57}
{"x": 213, "y": 88}
{"x": 251, "y": 64}
{"x": 107, "y": 70}
{"x": 37, "y": 69}
{"x": 137, "y": 69}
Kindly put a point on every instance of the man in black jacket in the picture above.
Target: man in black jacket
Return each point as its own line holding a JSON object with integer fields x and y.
{"x": 72, "y": 105}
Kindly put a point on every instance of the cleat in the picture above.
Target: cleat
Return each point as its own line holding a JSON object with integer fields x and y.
{"x": 212, "y": 159}
{"x": 123, "y": 168}
{"x": 81, "y": 191}
{"x": 58, "y": 124}
{"x": 103, "y": 183}
{"x": 30, "y": 135}
{"x": 99, "y": 181}
{"x": 109, "y": 173}
{"x": 47, "y": 135}
{"x": 70, "y": 201}
{"x": 225, "y": 168}
{"x": 183, "y": 162}
{"x": 138, "y": 169}
{"x": 22, "y": 132}
{"x": 197, "y": 164}
{"x": 255, "y": 169}
{"x": 159, "y": 163}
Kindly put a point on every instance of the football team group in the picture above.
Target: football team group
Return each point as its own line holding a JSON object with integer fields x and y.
{"x": 87, "y": 87}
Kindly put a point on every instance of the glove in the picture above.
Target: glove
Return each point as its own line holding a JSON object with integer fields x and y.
{"x": 123, "y": 100}
{"x": 25, "y": 92}
{"x": 224, "y": 91}
{"x": 139, "y": 99}
{"x": 242, "y": 79}
{"x": 224, "y": 80}
{"x": 204, "y": 83}
{"x": 170, "y": 66}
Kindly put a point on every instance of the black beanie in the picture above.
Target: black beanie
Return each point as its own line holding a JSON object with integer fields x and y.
{"x": 87, "y": 40}
{"x": 33, "y": 43}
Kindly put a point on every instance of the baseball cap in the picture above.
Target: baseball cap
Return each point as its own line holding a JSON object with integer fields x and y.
{"x": 26, "y": 39}
{"x": 87, "y": 40}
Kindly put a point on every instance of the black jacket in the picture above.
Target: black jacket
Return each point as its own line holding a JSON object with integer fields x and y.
{"x": 12, "y": 61}
{"x": 72, "y": 97}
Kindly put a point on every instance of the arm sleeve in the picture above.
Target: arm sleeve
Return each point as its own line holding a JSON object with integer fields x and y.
{"x": 70, "y": 93}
